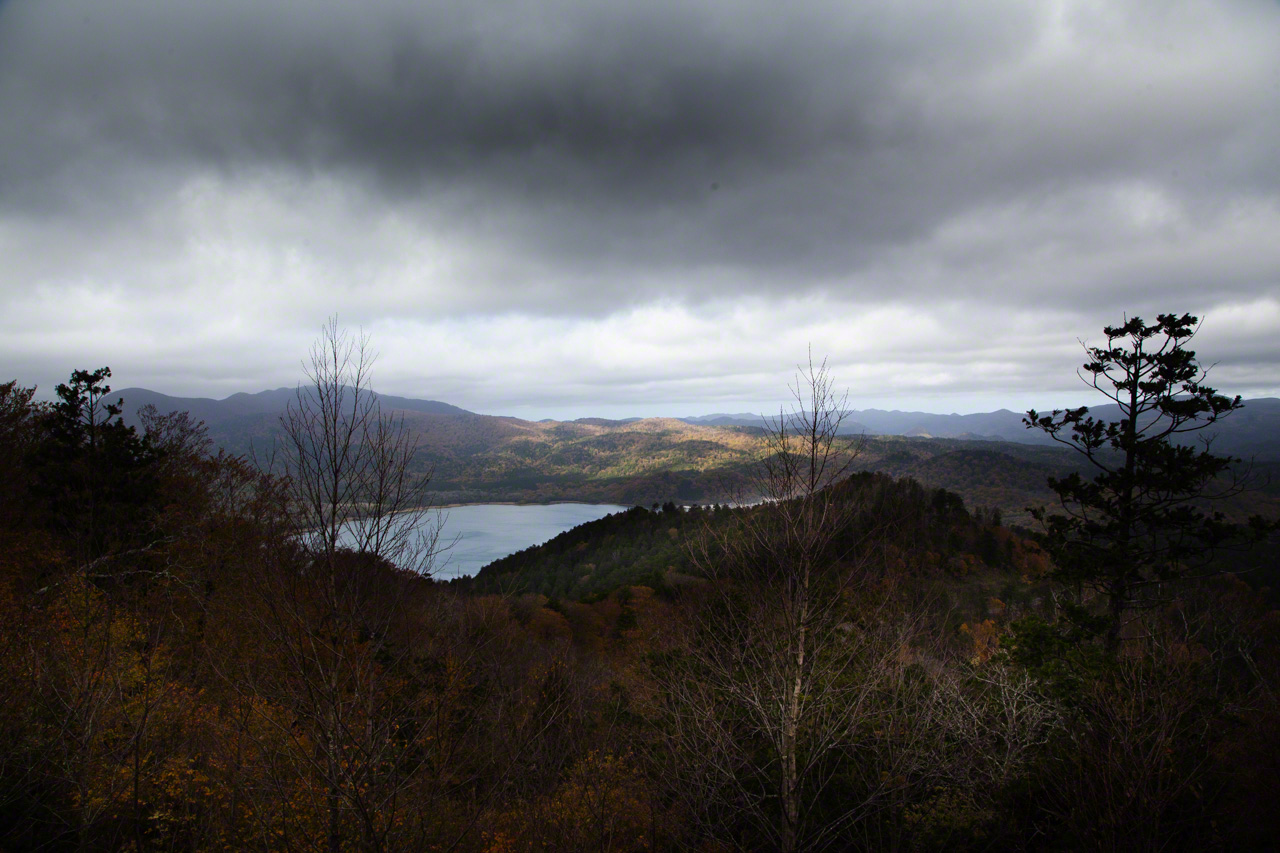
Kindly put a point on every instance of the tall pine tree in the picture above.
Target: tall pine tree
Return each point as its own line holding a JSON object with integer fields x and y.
{"x": 1140, "y": 521}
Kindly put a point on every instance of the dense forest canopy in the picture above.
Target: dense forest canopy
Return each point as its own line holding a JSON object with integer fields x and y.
{"x": 191, "y": 660}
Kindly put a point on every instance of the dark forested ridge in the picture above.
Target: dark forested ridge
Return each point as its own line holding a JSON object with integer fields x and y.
{"x": 191, "y": 659}
{"x": 654, "y": 547}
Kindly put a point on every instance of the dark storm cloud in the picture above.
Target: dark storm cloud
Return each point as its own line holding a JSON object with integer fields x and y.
{"x": 802, "y": 139}
{"x": 415, "y": 89}
{"x": 219, "y": 167}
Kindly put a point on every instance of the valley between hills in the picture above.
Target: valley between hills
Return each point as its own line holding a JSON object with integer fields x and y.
{"x": 476, "y": 458}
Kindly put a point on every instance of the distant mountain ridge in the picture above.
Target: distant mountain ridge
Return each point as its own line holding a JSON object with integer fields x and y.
{"x": 1253, "y": 431}
{"x": 248, "y": 423}
{"x": 272, "y": 402}
{"x": 1001, "y": 425}
{"x": 476, "y": 458}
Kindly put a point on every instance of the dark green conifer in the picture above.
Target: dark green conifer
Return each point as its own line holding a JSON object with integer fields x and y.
{"x": 1140, "y": 521}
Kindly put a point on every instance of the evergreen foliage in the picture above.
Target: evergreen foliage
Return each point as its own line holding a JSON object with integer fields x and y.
{"x": 1136, "y": 523}
{"x": 652, "y": 547}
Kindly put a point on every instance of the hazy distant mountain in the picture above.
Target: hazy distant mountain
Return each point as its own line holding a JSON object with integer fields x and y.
{"x": 262, "y": 403}
{"x": 601, "y": 421}
{"x": 1002, "y": 425}
{"x": 746, "y": 419}
{"x": 1253, "y": 431}
{"x": 243, "y": 421}
{"x": 480, "y": 458}
{"x": 722, "y": 419}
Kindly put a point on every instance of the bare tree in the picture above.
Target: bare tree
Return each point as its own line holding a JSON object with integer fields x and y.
{"x": 777, "y": 675}
{"x": 349, "y": 465}
{"x": 346, "y": 611}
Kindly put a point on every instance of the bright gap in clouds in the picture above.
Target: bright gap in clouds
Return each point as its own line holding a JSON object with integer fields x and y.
{"x": 674, "y": 360}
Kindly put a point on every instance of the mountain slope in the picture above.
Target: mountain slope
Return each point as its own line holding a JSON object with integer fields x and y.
{"x": 272, "y": 402}
{"x": 474, "y": 458}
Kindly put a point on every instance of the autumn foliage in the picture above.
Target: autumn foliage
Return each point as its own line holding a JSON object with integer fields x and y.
{"x": 179, "y": 671}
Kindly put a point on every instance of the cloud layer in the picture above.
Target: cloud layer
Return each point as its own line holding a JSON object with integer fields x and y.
{"x": 574, "y": 207}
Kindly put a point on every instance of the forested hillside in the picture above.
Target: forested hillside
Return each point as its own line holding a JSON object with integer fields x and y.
{"x": 193, "y": 657}
{"x": 656, "y": 547}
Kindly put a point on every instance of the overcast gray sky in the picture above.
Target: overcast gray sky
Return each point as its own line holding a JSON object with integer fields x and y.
{"x": 575, "y": 207}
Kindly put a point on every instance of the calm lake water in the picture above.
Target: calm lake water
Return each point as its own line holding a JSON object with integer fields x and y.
{"x": 487, "y": 532}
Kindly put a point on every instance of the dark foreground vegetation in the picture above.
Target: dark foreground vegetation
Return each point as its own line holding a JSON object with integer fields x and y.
{"x": 192, "y": 657}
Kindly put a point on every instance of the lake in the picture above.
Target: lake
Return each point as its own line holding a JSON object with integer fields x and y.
{"x": 488, "y": 532}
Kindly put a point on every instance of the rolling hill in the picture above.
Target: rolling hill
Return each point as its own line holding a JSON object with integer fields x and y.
{"x": 474, "y": 458}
